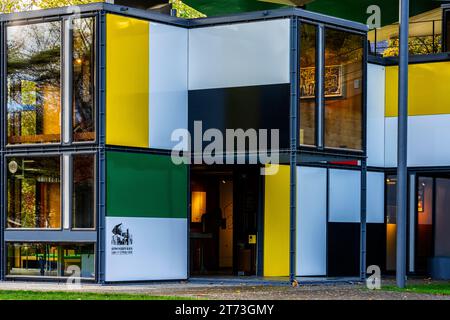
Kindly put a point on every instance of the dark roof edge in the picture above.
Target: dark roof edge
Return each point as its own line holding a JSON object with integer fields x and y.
{"x": 278, "y": 13}
{"x": 188, "y": 23}
{"x": 413, "y": 59}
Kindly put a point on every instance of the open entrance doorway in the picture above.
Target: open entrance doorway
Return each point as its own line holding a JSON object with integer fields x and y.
{"x": 225, "y": 206}
{"x": 429, "y": 224}
{"x": 432, "y": 224}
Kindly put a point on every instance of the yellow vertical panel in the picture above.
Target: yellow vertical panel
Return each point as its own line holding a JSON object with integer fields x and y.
{"x": 428, "y": 89}
{"x": 127, "y": 81}
{"x": 276, "y": 223}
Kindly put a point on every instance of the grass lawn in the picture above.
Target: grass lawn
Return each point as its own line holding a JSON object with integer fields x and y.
{"x": 59, "y": 295}
{"x": 431, "y": 288}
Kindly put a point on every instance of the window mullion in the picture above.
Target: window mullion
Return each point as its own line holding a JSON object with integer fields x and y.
{"x": 67, "y": 82}
{"x": 320, "y": 76}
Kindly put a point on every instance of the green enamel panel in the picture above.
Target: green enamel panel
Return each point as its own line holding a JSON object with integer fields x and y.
{"x": 223, "y": 7}
{"x": 356, "y": 10}
{"x": 144, "y": 185}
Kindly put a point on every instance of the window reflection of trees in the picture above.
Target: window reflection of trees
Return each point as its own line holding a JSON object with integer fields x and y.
{"x": 34, "y": 193}
{"x": 34, "y": 69}
{"x": 83, "y": 80}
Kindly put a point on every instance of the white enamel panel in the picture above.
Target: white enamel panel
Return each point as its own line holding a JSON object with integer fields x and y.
{"x": 311, "y": 221}
{"x": 375, "y": 114}
{"x": 158, "y": 250}
{"x": 344, "y": 196}
{"x": 428, "y": 143}
{"x": 375, "y": 197}
{"x": 236, "y": 55}
{"x": 168, "y": 95}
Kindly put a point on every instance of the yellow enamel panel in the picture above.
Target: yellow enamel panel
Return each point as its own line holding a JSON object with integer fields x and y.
{"x": 428, "y": 89}
{"x": 127, "y": 81}
{"x": 276, "y": 223}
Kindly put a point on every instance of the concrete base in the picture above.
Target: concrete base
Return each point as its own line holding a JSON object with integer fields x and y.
{"x": 439, "y": 268}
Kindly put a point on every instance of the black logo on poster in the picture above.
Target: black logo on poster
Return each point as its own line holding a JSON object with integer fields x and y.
{"x": 121, "y": 241}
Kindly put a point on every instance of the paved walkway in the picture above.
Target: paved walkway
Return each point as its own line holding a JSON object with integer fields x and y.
{"x": 229, "y": 289}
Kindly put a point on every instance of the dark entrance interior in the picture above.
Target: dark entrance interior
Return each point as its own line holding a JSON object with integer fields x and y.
{"x": 429, "y": 224}
{"x": 225, "y": 204}
{"x": 432, "y": 225}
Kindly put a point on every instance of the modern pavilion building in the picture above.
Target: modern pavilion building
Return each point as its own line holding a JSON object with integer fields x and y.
{"x": 90, "y": 98}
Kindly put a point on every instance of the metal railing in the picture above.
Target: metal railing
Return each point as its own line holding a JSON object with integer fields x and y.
{"x": 425, "y": 38}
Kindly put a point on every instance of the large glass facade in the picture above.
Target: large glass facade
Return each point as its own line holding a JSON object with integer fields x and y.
{"x": 34, "y": 83}
{"x": 344, "y": 65}
{"x": 83, "y": 202}
{"x": 33, "y": 192}
{"x": 308, "y": 102}
{"x": 51, "y": 260}
{"x": 83, "y": 79}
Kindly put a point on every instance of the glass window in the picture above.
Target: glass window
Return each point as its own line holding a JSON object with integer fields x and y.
{"x": 50, "y": 259}
{"x": 344, "y": 65}
{"x": 391, "y": 222}
{"x": 307, "y": 112}
{"x": 442, "y": 224}
{"x": 424, "y": 229}
{"x": 34, "y": 83}
{"x": 447, "y": 29}
{"x": 83, "y": 80}
{"x": 34, "y": 197}
{"x": 83, "y": 208}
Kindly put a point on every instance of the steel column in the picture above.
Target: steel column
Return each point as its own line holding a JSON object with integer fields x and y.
{"x": 294, "y": 62}
{"x": 101, "y": 240}
{"x": 363, "y": 235}
{"x": 402, "y": 170}
{"x": 2, "y": 147}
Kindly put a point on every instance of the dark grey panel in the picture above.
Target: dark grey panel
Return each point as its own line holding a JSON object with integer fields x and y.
{"x": 376, "y": 245}
{"x": 50, "y": 236}
{"x": 258, "y": 107}
{"x": 343, "y": 249}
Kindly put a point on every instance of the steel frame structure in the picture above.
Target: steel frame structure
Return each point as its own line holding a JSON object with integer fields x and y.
{"x": 295, "y": 156}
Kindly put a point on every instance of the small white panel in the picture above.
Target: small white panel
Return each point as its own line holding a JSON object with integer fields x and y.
{"x": 67, "y": 194}
{"x": 158, "y": 250}
{"x": 390, "y": 142}
{"x": 375, "y": 197}
{"x": 168, "y": 94}
{"x": 375, "y": 115}
{"x": 237, "y": 55}
{"x": 311, "y": 221}
{"x": 428, "y": 143}
{"x": 345, "y": 196}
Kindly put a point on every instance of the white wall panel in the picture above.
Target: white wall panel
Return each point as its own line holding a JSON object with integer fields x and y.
{"x": 428, "y": 142}
{"x": 236, "y": 55}
{"x": 158, "y": 251}
{"x": 344, "y": 196}
{"x": 376, "y": 79}
{"x": 375, "y": 197}
{"x": 311, "y": 221}
{"x": 168, "y": 95}
{"x": 390, "y": 142}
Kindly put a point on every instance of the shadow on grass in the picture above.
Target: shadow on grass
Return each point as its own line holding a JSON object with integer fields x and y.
{"x": 63, "y": 295}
